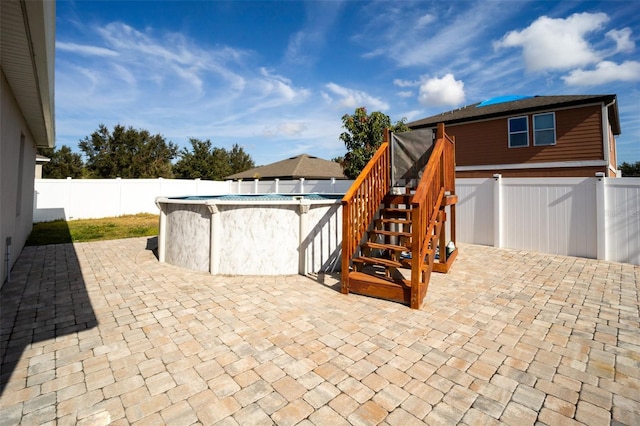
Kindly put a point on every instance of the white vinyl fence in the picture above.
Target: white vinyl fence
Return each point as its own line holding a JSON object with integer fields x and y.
{"x": 587, "y": 217}
{"x": 94, "y": 198}
{"x": 297, "y": 186}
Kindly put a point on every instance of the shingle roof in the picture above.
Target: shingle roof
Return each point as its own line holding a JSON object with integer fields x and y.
{"x": 525, "y": 105}
{"x": 302, "y": 166}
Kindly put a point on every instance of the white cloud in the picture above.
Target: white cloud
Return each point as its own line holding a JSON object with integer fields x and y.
{"x": 124, "y": 74}
{"x": 413, "y": 115}
{"x": 325, "y": 96}
{"x": 405, "y": 94}
{"x": 301, "y": 45}
{"x": 304, "y": 44}
{"x": 623, "y": 40}
{"x": 374, "y": 53}
{"x": 442, "y": 91}
{"x": 280, "y": 87}
{"x": 425, "y": 20}
{"x": 419, "y": 45}
{"x": 350, "y": 98}
{"x": 559, "y": 44}
{"x": 285, "y": 129}
{"x": 605, "y": 72}
{"x": 162, "y": 59}
{"x": 84, "y": 49}
{"x": 405, "y": 83}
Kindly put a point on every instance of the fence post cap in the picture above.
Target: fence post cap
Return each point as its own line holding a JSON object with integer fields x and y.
{"x": 497, "y": 176}
{"x": 599, "y": 174}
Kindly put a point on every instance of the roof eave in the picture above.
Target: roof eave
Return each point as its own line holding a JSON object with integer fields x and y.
{"x": 28, "y": 38}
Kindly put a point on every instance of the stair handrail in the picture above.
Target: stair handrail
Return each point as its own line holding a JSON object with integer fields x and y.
{"x": 361, "y": 202}
{"x": 438, "y": 177}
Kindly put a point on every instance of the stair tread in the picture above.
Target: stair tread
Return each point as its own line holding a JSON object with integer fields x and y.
{"x": 397, "y": 209}
{"x": 390, "y": 233}
{"x": 383, "y": 246}
{"x": 379, "y": 261}
{"x": 363, "y": 276}
{"x": 403, "y": 263}
{"x": 395, "y": 220}
{"x": 397, "y": 199}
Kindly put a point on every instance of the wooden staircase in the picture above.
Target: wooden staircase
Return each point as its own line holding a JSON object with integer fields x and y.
{"x": 391, "y": 242}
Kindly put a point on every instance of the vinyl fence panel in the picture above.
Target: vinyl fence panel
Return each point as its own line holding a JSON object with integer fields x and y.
{"x": 555, "y": 216}
{"x": 474, "y": 211}
{"x": 622, "y": 217}
{"x": 95, "y": 198}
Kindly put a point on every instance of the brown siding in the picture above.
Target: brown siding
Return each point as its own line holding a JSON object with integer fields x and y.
{"x": 578, "y": 137}
{"x": 551, "y": 172}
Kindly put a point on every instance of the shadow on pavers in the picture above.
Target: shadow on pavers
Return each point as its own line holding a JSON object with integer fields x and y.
{"x": 152, "y": 244}
{"x": 44, "y": 298}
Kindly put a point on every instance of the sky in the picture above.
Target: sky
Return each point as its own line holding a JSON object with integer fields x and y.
{"x": 276, "y": 77}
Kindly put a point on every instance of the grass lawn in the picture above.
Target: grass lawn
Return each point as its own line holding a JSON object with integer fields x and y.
{"x": 110, "y": 228}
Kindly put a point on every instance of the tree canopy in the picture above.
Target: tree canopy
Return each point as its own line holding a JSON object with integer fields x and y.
{"x": 127, "y": 153}
{"x": 205, "y": 161}
{"x": 63, "y": 163}
{"x": 135, "y": 153}
{"x": 363, "y": 136}
{"x": 630, "y": 169}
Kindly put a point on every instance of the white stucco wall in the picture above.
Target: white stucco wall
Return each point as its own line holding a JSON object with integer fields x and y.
{"x": 16, "y": 176}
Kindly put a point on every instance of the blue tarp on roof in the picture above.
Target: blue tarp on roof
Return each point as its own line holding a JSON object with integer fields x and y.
{"x": 502, "y": 99}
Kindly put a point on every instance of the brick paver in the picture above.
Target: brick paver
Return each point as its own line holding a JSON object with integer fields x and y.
{"x": 101, "y": 333}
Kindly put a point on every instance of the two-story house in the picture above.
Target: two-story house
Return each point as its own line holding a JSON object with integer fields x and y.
{"x": 533, "y": 136}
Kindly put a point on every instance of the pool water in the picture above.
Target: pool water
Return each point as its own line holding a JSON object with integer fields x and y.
{"x": 262, "y": 197}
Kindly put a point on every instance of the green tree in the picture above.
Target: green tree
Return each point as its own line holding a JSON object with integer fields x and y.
{"x": 205, "y": 161}
{"x": 363, "y": 136}
{"x": 239, "y": 161}
{"x": 63, "y": 163}
{"x": 127, "y": 153}
{"x": 630, "y": 169}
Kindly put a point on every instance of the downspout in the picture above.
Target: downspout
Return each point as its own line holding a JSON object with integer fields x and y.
{"x": 8, "y": 258}
{"x": 605, "y": 133}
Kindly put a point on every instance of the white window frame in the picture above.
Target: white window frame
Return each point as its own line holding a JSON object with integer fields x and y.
{"x": 535, "y": 131}
{"x": 526, "y": 120}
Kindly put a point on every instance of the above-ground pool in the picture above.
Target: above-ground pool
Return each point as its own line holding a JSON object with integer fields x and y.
{"x": 251, "y": 234}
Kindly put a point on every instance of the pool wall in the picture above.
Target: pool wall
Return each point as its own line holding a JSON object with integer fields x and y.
{"x": 251, "y": 237}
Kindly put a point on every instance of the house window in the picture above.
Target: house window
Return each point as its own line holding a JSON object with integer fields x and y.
{"x": 544, "y": 129}
{"x": 518, "y": 132}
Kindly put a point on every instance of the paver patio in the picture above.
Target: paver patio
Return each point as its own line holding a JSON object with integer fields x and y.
{"x": 101, "y": 333}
